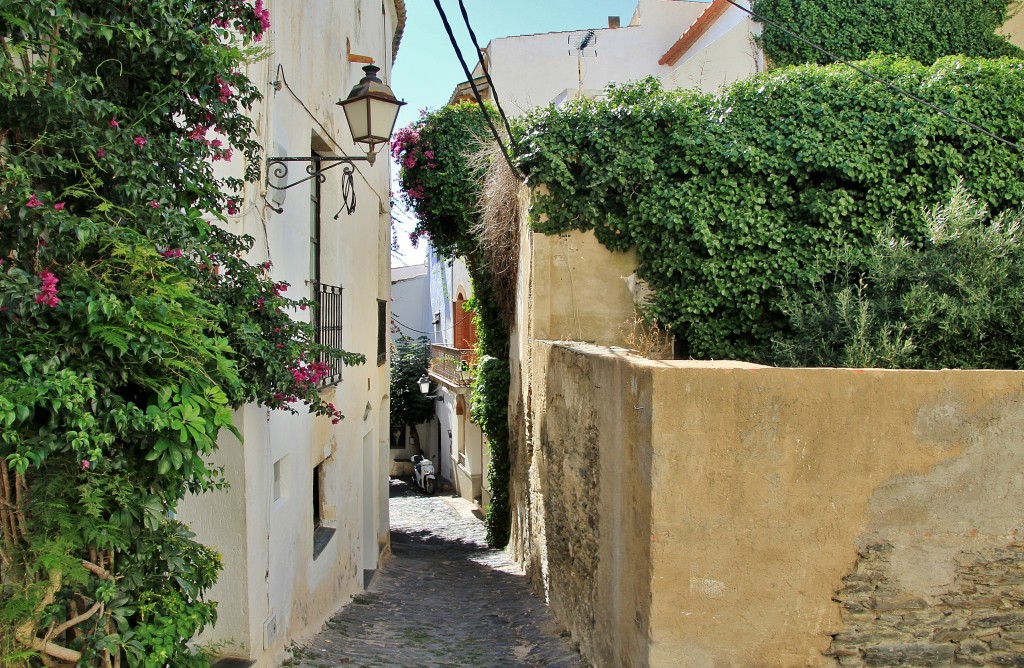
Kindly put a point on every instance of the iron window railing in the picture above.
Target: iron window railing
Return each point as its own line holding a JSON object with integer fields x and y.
{"x": 328, "y": 321}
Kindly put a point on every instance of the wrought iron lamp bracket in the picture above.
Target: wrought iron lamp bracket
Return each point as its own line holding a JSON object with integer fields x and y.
{"x": 277, "y": 168}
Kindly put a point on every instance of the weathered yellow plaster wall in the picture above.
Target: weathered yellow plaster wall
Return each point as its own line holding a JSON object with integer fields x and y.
{"x": 576, "y": 295}
{"x": 1014, "y": 28}
{"x": 707, "y": 513}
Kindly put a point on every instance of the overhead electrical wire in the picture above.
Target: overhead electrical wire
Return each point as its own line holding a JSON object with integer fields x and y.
{"x": 487, "y": 74}
{"x": 869, "y": 75}
{"x": 476, "y": 91}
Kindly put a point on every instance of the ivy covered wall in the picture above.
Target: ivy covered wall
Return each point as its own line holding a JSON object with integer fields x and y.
{"x": 924, "y": 30}
{"x": 732, "y": 200}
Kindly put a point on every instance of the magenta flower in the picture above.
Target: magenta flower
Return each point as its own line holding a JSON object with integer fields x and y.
{"x": 100, "y": 153}
{"x": 154, "y": 204}
{"x": 215, "y": 143}
{"x": 48, "y": 291}
{"x": 172, "y": 253}
{"x": 113, "y": 123}
{"x": 232, "y": 210}
{"x": 85, "y": 464}
{"x": 140, "y": 141}
{"x": 33, "y": 202}
{"x": 59, "y": 206}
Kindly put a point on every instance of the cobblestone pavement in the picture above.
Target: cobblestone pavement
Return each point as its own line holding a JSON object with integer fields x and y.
{"x": 442, "y": 600}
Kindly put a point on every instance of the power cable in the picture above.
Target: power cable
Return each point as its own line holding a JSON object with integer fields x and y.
{"x": 487, "y": 74}
{"x": 476, "y": 91}
{"x": 869, "y": 75}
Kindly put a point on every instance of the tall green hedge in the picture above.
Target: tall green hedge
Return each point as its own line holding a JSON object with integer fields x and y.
{"x": 728, "y": 199}
{"x": 924, "y": 30}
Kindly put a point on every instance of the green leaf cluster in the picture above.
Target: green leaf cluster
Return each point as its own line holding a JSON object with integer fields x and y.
{"x": 131, "y": 322}
{"x": 409, "y": 363}
{"x": 954, "y": 301}
{"x": 733, "y": 200}
{"x": 439, "y": 183}
{"x": 924, "y": 30}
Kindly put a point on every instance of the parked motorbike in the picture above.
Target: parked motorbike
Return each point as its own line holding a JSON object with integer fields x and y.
{"x": 423, "y": 473}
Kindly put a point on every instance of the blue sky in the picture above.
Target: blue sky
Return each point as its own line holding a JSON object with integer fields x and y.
{"x": 427, "y": 70}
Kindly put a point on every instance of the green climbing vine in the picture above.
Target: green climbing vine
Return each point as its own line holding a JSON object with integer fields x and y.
{"x": 441, "y": 184}
{"x": 924, "y": 30}
{"x": 732, "y": 200}
{"x": 131, "y": 322}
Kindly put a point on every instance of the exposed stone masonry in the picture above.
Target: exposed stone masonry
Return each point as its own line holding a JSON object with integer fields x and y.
{"x": 979, "y": 621}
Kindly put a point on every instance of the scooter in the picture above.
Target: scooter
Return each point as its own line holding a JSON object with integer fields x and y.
{"x": 423, "y": 473}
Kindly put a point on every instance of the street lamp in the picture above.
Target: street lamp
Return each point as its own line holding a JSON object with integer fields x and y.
{"x": 371, "y": 110}
{"x": 424, "y": 383}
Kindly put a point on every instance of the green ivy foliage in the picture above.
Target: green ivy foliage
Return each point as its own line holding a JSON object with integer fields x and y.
{"x": 956, "y": 301}
{"x": 438, "y": 182}
{"x": 730, "y": 200}
{"x": 490, "y": 411}
{"x": 130, "y": 326}
{"x": 924, "y": 30}
{"x": 441, "y": 185}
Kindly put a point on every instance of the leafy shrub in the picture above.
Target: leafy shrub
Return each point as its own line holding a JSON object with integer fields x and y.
{"x": 130, "y": 324}
{"x": 730, "y": 200}
{"x": 408, "y": 363}
{"x": 954, "y": 301}
{"x": 924, "y": 30}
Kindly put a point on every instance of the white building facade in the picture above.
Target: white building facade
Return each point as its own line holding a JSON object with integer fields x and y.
{"x": 305, "y": 522}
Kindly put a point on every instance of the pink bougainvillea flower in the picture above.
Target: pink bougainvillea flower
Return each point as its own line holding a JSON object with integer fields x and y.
{"x": 139, "y": 141}
{"x": 232, "y": 210}
{"x": 33, "y": 202}
{"x": 335, "y": 420}
{"x": 172, "y": 253}
{"x": 113, "y": 123}
{"x": 302, "y": 307}
{"x": 59, "y": 206}
{"x": 215, "y": 143}
{"x": 154, "y": 204}
{"x": 48, "y": 291}
{"x": 100, "y": 153}
{"x": 85, "y": 464}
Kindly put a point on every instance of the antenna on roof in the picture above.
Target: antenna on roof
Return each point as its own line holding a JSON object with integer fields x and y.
{"x": 583, "y": 43}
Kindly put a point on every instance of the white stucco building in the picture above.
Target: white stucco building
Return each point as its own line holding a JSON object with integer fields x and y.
{"x": 684, "y": 43}
{"x": 305, "y": 521}
{"x": 461, "y": 454}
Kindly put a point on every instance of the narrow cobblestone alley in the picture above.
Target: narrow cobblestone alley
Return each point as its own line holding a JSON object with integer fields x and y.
{"x": 443, "y": 599}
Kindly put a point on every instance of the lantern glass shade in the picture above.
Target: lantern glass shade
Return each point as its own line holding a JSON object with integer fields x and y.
{"x": 424, "y": 383}
{"x": 371, "y": 110}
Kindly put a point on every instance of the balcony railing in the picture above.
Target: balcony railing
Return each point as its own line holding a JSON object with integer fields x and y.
{"x": 328, "y": 319}
{"x": 454, "y": 365}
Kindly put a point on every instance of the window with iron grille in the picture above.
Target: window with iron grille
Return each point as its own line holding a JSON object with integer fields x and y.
{"x": 328, "y": 317}
{"x": 382, "y": 332}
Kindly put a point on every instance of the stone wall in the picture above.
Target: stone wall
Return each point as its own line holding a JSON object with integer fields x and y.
{"x": 977, "y": 621}
{"x": 726, "y": 514}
